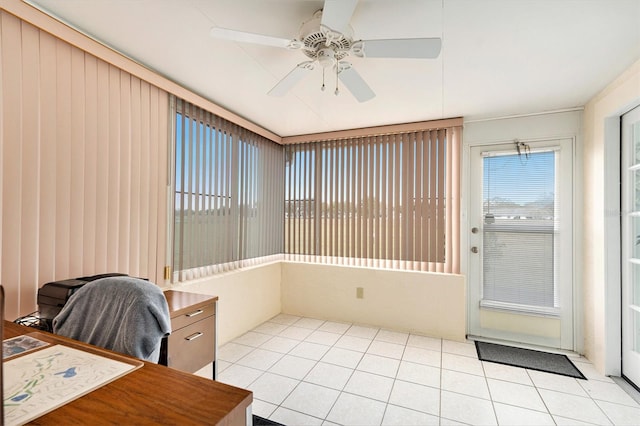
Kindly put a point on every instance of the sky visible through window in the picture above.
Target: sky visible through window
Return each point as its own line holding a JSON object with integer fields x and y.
{"x": 208, "y": 152}
{"x": 518, "y": 179}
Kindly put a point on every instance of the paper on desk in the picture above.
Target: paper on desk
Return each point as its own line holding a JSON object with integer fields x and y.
{"x": 42, "y": 381}
{"x": 19, "y": 345}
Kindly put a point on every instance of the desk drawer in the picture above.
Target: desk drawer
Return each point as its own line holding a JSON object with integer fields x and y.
{"x": 191, "y": 347}
{"x": 194, "y": 315}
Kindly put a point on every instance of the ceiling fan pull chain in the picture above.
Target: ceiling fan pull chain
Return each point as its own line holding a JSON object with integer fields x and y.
{"x": 337, "y": 71}
{"x": 322, "y": 88}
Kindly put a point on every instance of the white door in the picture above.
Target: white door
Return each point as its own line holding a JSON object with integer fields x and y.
{"x": 521, "y": 240}
{"x": 631, "y": 245}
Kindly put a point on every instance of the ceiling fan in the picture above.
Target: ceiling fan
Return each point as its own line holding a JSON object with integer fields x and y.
{"x": 327, "y": 39}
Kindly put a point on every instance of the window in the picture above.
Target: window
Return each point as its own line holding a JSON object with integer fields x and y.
{"x": 386, "y": 201}
{"x": 228, "y": 195}
{"x": 520, "y": 211}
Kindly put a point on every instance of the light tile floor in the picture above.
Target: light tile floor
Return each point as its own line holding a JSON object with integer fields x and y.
{"x": 305, "y": 371}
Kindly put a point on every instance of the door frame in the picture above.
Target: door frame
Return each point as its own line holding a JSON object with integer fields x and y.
{"x": 568, "y": 324}
{"x": 627, "y": 151}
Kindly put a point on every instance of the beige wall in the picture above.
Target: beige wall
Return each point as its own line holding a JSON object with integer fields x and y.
{"x": 599, "y": 310}
{"x": 432, "y": 304}
{"x": 246, "y": 297}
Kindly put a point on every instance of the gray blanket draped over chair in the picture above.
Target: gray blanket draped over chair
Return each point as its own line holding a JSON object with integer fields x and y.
{"x": 123, "y": 314}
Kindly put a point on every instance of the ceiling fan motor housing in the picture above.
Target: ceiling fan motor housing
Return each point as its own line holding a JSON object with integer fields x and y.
{"x": 318, "y": 41}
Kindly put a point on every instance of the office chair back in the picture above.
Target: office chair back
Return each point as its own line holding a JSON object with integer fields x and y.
{"x": 123, "y": 314}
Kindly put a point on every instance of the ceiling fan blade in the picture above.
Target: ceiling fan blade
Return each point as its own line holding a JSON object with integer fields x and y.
{"x": 245, "y": 37}
{"x": 420, "y": 48}
{"x": 336, "y": 14}
{"x": 354, "y": 82}
{"x": 291, "y": 79}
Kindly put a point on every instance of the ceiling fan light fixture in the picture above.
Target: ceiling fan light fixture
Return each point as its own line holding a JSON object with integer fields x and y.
{"x": 326, "y": 57}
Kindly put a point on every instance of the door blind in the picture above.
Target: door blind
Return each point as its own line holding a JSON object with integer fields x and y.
{"x": 520, "y": 223}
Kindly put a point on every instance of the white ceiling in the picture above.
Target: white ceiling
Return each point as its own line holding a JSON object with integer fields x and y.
{"x": 499, "y": 57}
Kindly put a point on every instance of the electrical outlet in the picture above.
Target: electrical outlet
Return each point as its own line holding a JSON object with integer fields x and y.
{"x": 359, "y": 293}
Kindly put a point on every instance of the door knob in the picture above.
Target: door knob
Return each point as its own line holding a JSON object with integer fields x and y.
{"x": 474, "y": 249}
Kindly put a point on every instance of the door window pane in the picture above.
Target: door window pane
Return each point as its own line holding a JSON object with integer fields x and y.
{"x": 519, "y": 230}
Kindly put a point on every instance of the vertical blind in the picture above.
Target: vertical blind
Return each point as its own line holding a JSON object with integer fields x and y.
{"x": 520, "y": 206}
{"x": 228, "y": 195}
{"x": 389, "y": 201}
{"x": 83, "y": 166}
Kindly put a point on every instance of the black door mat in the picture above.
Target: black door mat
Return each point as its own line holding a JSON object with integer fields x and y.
{"x": 528, "y": 358}
{"x": 261, "y": 421}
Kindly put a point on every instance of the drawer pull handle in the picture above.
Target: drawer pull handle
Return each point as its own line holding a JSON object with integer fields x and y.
{"x": 194, "y": 336}
{"x": 195, "y": 313}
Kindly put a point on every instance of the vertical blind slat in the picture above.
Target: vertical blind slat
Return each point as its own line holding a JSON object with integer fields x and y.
{"x": 63, "y": 155}
{"x": 424, "y": 211}
{"x": 325, "y": 202}
{"x": 318, "y": 212}
{"x": 370, "y": 193}
{"x": 76, "y": 158}
{"x": 432, "y": 195}
{"x": 441, "y": 198}
{"x": 47, "y": 113}
{"x": 135, "y": 167}
{"x": 182, "y": 207}
{"x": 29, "y": 157}
{"x": 146, "y": 214}
{"x": 90, "y": 195}
{"x": 102, "y": 169}
{"x": 124, "y": 188}
{"x": 384, "y": 199}
{"x": 10, "y": 156}
{"x": 308, "y": 204}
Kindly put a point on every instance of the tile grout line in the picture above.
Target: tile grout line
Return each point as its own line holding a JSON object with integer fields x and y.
{"x": 278, "y": 406}
{"x": 486, "y": 381}
{"x": 395, "y": 380}
{"x": 299, "y": 380}
{"x": 353, "y": 370}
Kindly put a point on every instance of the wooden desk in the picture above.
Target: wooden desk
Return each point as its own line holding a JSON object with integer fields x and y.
{"x": 152, "y": 394}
